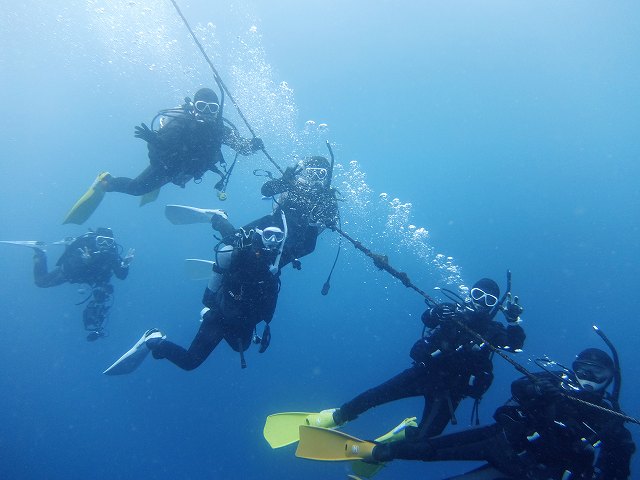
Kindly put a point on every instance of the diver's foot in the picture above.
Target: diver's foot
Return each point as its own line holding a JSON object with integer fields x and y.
{"x": 219, "y": 213}
{"x": 338, "y": 417}
{"x": 323, "y": 419}
{"x": 219, "y": 219}
{"x": 153, "y": 337}
{"x": 381, "y": 453}
{"x": 102, "y": 181}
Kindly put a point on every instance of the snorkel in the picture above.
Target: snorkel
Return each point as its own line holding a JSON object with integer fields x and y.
{"x": 275, "y": 267}
{"x": 221, "y": 110}
{"x": 617, "y": 375}
{"x": 333, "y": 161}
{"x": 565, "y": 377}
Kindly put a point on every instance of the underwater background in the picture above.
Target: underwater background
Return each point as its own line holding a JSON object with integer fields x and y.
{"x": 471, "y": 137}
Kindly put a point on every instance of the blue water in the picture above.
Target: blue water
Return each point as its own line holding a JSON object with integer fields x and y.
{"x": 501, "y": 134}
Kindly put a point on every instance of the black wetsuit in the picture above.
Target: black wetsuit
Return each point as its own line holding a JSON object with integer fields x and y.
{"x": 535, "y": 437}
{"x": 247, "y": 295}
{"x": 83, "y": 262}
{"x": 94, "y": 268}
{"x": 183, "y": 148}
{"x": 449, "y": 365}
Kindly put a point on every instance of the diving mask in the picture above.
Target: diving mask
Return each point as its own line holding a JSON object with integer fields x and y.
{"x": 105, "y": 243}
{"x": 313, "y": 176}
{"x": 478, "y": 295}
{"x": 592, "y": 377}
{"x": 271, "y": 237}
{"x": 206, "y": 107}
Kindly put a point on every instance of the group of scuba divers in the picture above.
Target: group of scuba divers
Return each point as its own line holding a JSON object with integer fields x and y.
{"x": 560, "y": 423}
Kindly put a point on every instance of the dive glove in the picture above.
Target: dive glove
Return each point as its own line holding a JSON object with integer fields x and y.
{"x": 219, "y": 219}
{"x": 265, "y": 340}
{"x": 545, "y": 388}
{"x": 323, "y": 419}
{"x": 432, "y": 317}
{"x": 126, "y": 261}
{"x": 512, "y": 309}
{"x": 145, "y": 133}
{"x": 256, "y": 144}
{"x": 290, "y": 173}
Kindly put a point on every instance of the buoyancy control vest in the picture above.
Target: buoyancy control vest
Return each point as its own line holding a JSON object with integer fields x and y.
{"x": 83, "y": 262}
{"x": 186, "y": 147}
{"x": 248, "y": 291}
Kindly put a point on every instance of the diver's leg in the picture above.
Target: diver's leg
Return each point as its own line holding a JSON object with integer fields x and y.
{"x": 149, "y": 180}
{"x": 487, "y": 444}
{"x": 206, "y": 340}
{"x": 404, "y": 385}
{"x": 437, "y": 413}
{"x": 41, "y": 275}
{"x": 223, "y": 226}
{"x": 485, "y": 472}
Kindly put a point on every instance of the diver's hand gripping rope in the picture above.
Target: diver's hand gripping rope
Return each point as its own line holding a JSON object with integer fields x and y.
{"x": 221, "y": 83}
{"x": 382, "y": 262}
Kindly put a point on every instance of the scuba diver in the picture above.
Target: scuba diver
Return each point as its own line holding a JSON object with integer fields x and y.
{"x": 91, "y": 259}
{"x": 558, "y": 425}
{"x": 305, "y": 198}
{"x": 305, "y": 195}
{"x": 186, "y": 144}
{"x": 449, "y": 364}
{"x": 242, "y": 292}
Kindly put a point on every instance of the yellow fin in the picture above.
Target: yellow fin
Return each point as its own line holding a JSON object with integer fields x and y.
{"x": 88, "y": 203}
{"x": 318, "y": 443}
{"x": 281, "y": 429}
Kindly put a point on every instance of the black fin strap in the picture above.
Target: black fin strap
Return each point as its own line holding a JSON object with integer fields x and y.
{"x": 452, "y": 412}
{"x": 243, "y": 363}
{"x": 475, "y": 412}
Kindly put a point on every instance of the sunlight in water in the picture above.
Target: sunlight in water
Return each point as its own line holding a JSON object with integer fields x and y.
{"x": 133, "y": 37}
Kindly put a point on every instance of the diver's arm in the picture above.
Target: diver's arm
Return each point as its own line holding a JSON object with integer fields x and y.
{"x": 524, "y": 390}
{"x": 432, "y": 317}
{"x": 281, "y": 185}
{"x": 327, "y": 211}
{"x": 515, "y": 337}
{"x": 509, "y": 338}
{"x": 274, "y": 187}
{"x": 540, "y": 392}
{"x": 223, "y": 226}
{"x": 120, "y": 270}
{"x": 615, "y": 455}
{"x": 231, "y": 139}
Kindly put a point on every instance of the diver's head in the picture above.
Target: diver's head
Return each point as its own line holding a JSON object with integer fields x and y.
{"x": 484, "y": 294}
{"x": 315, "y": 172}
{"x": 206, "y": 105}
{"x": 594, "y": 369}
{"x": 271, "y": 237}
{"x": 104, "y": 239}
